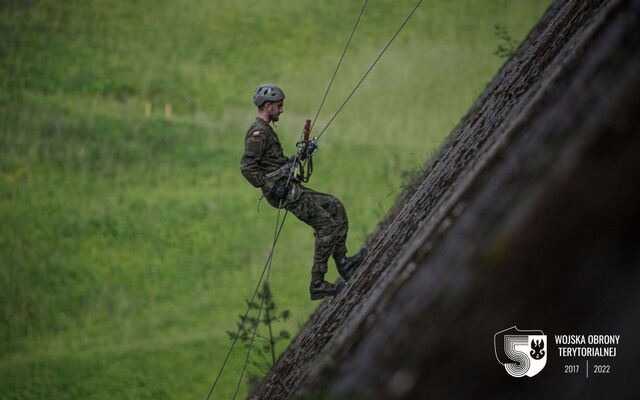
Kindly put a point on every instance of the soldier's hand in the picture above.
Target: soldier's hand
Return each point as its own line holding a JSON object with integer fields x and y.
{"x": 302, "y": 150}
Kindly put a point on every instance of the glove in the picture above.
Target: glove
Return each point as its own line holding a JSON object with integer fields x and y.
{"x": 279, "y": 191}
{"x": 302, "y": 150}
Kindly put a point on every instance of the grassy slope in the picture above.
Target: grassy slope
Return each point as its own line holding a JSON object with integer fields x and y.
{"x": 128, "y": 244}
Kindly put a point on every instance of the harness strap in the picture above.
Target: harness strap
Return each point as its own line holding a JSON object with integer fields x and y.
{"x": 280, "y": 171}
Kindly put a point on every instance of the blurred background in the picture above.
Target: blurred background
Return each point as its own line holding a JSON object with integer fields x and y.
{"x": 129, "y": 240}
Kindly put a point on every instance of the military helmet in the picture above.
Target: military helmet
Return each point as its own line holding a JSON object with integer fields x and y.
{"x": 267, "y": 92}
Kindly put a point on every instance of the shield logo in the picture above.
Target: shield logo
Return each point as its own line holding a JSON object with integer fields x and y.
{"x": 521, "y": 352}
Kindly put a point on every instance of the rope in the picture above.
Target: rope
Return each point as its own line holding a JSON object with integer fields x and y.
{"x": 280, "y": 224}
{"x": 276, "y": 234}
{"x": 267, "y": 267}
{"x": 338, "y": 66}
{"x": 371, "y": 67}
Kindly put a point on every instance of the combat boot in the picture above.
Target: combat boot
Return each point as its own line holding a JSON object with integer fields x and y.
{"x": 347, "y": 266}
{"x": 321, "y": 288}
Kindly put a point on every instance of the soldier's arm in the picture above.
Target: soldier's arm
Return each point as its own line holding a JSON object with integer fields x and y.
{"x": 254, "y": 148}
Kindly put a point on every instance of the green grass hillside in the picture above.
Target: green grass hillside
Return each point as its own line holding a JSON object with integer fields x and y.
{"x": 128, "y": 238}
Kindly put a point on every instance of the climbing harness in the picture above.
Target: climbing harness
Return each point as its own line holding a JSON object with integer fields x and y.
{"x": 300, "y": 169}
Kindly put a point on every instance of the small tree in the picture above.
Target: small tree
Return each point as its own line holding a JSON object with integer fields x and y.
{"x": 264, "y": 345}
{"x": 508, "y": 45}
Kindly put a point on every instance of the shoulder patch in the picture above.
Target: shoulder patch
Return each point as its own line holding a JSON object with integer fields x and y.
{"x": 256, "y": 133}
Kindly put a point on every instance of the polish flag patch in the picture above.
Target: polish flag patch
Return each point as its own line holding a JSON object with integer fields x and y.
{"x": 256, "y": 133}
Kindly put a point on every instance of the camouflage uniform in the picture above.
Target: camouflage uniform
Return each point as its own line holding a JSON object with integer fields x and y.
{"x": 324, "y": 213}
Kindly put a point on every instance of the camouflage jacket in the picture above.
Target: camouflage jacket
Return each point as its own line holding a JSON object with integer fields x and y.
{"x": 262, "y": 155}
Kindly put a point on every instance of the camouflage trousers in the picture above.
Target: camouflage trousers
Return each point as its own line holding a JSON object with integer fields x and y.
{"x": 328, "y": 218}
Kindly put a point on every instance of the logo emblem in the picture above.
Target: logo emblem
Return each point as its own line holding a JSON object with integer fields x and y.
{"x": 521, "y": 352}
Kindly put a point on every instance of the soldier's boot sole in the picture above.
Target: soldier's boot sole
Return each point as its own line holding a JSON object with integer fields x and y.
{"x": 327, "y": 290}
{"x": 323, "y": 294}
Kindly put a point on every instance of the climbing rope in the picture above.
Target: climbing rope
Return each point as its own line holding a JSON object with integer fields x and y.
{"x": 280, "y": 223}
{"x": 267, "y": 269}
{"x": 335, "y": 72}
{"x": 371, "y": 67}
{"x": 276, "y": 234}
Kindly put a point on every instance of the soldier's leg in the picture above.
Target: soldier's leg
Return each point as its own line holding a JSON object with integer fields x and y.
{"x": 309, "y": 209}
{"x": 341, "y": 225}
{"x": 346, "y": 265}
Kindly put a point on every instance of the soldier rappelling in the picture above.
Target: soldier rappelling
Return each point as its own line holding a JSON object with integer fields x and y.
{"x": 265, "y": 166}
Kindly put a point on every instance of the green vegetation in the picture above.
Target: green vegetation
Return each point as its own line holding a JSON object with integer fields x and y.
{"x": 263, "y": 346}
{"x": 129, "y": 241}
{"x": 508, "y": 45}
